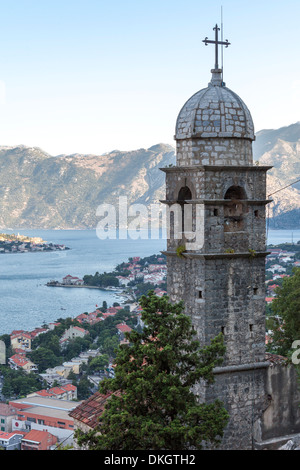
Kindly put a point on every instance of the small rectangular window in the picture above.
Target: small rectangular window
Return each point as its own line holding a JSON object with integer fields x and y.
{"x": 31, "y": 420}
{"x": 255, "y": 290}
{"x": 216, "y": 212}
{"x": 256, "y": 213}
{"x": 199, "y": 294}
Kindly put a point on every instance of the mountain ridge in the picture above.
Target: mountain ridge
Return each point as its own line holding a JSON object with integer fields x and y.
{"x": 39, "y": 190}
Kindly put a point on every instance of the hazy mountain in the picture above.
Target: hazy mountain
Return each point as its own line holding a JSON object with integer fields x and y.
{"x": 38, "y": 190}
{"x": 281, "y": 149}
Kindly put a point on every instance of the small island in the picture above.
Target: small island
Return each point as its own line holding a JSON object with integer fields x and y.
{"x": 11, "y": 243}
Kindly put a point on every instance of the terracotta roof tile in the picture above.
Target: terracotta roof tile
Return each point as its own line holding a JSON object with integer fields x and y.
{"x": 275, "y": 359}
{"x": 89, "y": 411}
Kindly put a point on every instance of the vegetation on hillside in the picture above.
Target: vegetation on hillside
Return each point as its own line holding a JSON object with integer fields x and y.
{"x": 153, "y": 406}
{"x": 285, "y": 311}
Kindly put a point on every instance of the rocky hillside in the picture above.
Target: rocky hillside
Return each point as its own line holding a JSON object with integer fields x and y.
{"x": 38, "y": 190}
{"x": 280, "y": 148}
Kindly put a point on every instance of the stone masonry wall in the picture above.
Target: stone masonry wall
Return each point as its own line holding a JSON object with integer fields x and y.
{"x": 225, "y": 295}
{"x": 208, "y": 186}
{"x": 243, "y": 395}
{"x": 225, "y": 151}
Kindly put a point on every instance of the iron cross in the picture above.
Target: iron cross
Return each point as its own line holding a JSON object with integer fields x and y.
{"x": 216, "y": 42}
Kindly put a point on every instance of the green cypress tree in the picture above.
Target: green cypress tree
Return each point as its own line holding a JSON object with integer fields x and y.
{"x": 152, "y": 405}
{"x": 286, "y": 309}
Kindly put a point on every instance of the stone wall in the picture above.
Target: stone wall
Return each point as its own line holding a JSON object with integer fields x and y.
{"x": 228, "y": 224}
{"x": 242, "y": 392}
{"x": 282, "y": 415}
{"x": 223, "y": 151}
{"x": 223, "y": 294}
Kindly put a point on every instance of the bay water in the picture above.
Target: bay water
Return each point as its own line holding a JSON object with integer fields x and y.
{"x": 25, "y": 300}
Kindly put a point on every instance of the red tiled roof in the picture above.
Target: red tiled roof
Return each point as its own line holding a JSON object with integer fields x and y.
{"x": 20, "y": 351}
{"x": 44, "y": 393}
{"x": 89, "y": 411}
{"x": 275, "y": 359}
{"x": 7, "y": 410}
{"x": 112, "y": 310}
{"x": 38, "y": 436}
{"x": 123, "y": 327}
{"x": 19, "y": 360}
{"x": 80, "y": 329}
{"x": 15, "y": 334}
{"x": 108, "y": 314}
{"x": 5, "y": 436}
{"x": 56, "y": 390}
{"x": 37, "y": 331}
{"x": 68, "y": 387}
{"x": 81, "y": 316}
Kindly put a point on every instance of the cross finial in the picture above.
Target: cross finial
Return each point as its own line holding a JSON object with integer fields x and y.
{"x": 216, "y": 42}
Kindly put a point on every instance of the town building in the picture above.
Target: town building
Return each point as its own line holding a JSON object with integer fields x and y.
{"x": 7, "y": 414}
{"x": 122, "y": 329}
{"x": 45, "y": 414}
{"x": 20, "y": 361}
{"x": 20, "y": 340}
{"x": 72, "y": 281}
{"x": 64, "y": 392}
{"x": 38, "y": 440}
{"x": 73, "y": 332}
{"x": 11, "y": 440}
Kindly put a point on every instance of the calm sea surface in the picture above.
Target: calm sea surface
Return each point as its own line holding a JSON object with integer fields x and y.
{"x": 26, "y": 302}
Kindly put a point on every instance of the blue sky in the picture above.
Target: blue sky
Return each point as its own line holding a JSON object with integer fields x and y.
{"x": 92, "y": 76}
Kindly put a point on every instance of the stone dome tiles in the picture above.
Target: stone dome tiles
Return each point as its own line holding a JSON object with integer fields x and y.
{"x": 215, "y": 111}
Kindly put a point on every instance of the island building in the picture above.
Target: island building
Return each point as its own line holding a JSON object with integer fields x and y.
{"x": 216, "y": 253}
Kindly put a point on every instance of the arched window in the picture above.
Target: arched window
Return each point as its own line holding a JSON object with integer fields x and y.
{"x": 184, "y": 194}
{"x": 233, "y": 210}
{"x": 235, "y": 192}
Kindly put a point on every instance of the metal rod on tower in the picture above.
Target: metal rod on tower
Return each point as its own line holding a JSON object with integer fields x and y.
{"x": 222, "y": 41}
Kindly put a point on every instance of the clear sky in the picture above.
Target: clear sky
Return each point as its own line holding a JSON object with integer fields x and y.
{"x": 91, "y": 76}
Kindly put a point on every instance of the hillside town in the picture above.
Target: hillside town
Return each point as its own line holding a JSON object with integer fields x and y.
{"x": 46, "y": 418}
{"x": 279, "y": 265}
{"x": 149, "y": 271}
{"x": 42, "y": 419}
{"x": 11, "y": 243}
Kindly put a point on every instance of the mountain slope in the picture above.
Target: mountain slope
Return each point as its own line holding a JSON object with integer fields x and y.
{"x": 38, "y": 190}
{"x": 280, "y": 148}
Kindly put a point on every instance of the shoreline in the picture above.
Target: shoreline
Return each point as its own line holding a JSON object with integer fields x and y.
{"x": 83, "y": 287}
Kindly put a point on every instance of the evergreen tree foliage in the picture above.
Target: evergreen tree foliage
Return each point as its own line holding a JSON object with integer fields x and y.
{"x": 286, "y": 309}
{"x": 152, "y": 405}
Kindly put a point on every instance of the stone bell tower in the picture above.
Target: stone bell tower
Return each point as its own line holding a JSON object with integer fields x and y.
{"x": 216, "y": 260}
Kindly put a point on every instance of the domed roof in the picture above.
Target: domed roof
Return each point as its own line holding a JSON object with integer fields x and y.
{"x": 215, "y": 111}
